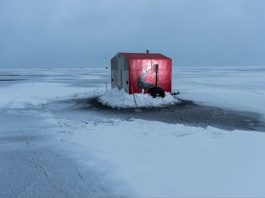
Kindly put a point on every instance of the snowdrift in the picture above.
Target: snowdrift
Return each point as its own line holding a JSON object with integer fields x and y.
{"x": 116, "y": 98}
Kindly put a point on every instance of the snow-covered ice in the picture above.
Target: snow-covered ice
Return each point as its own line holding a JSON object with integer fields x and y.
{"x": 114, "y": 157}
{"x": 166, "y": 160}
{"x": 240, "y": 88}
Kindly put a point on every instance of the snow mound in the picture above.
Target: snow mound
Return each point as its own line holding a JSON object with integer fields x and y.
{"x": 116, "y": 98}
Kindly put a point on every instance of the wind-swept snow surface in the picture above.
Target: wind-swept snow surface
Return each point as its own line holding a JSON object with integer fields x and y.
{"x": 166, "y": 160}
{"x": 52, "y": 147}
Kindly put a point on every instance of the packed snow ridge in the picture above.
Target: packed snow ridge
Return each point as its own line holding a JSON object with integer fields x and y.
{"x": 116, "y": 98}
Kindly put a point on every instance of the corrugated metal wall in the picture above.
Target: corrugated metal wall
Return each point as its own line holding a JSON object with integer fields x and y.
{"x": 119, "y": 72}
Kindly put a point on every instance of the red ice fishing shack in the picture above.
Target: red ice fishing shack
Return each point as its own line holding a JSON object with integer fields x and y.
{"x": 142, "y": 73}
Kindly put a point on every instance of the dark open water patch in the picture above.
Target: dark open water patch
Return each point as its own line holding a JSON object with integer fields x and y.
{"x": 10, "y": 80}
{"x": 186, "y": 112}
{"x": 8, "y": 75}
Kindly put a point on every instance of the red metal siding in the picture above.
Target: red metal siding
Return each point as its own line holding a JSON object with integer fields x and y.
{"x": 141, "y": 69}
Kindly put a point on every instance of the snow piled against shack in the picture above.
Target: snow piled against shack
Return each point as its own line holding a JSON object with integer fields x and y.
{"x": 116, "y": 98}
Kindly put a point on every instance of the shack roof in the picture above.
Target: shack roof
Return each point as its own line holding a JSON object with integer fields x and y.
{"x": 144, "y": 55}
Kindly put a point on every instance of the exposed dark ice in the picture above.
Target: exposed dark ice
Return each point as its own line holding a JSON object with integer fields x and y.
{"x": 185, "y": 112}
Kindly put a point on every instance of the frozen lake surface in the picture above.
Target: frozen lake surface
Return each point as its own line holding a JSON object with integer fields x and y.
{"x": 57, "y": 140}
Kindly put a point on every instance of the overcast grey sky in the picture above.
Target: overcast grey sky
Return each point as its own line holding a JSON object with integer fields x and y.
{"x": 69, "y": 33}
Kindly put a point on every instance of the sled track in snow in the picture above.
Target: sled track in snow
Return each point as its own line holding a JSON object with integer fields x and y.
{"x": 186, "y": 112}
